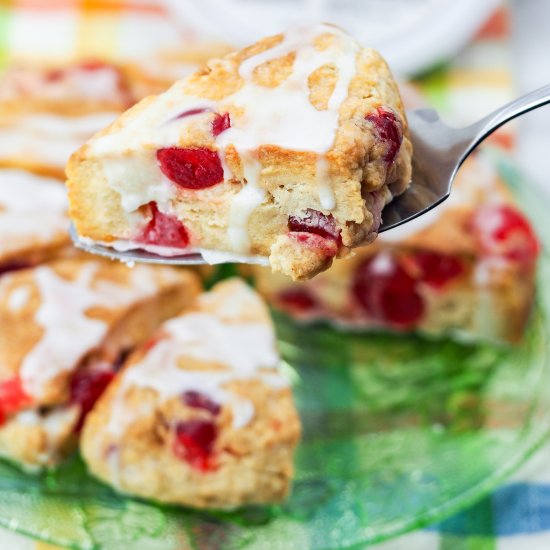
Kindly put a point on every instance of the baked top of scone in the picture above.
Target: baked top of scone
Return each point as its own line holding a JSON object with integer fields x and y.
{"x": 47, "y": 112}
{"x": 286, "y": 150}
{"x": 55, "y": 315}
{"x": 227, "y": 336}
{"x": 75, "y": 89}
{"x": 200, "y": 415}
{"x": 33, "y": 216}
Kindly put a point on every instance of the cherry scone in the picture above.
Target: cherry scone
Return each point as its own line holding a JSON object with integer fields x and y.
{"x": 66, "y": 326}
{"x": 200, "y": 415}
{"x": 47, "y": 113}
{"x": 467, "y": 268}
{"x": 284, "y": 153}
{"x": 33, "y": 219}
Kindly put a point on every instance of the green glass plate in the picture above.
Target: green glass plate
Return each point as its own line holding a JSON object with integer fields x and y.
{"x": 399, "y": 432}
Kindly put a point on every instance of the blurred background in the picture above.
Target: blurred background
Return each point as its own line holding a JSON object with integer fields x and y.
{"x": 463, "y": 57}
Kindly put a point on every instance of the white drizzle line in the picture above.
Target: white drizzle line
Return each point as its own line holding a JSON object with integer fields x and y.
{"x": 282, "y": 116}
{"x": 24, "y": 221}
{"x": 68, "y": 333}
{"x": 324, "y": 185}
{"x": 246, "y": 350}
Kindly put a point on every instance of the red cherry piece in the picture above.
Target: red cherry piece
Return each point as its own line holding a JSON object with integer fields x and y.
{"x": 317, "y": 223}
{"x": 13, "y": 266}
{"x": 504, "y": 231}
{"x": 389, "y": 130}
{"x": 191, "y": 112}
{"x": 388, "y": 293}
{"x": 437, "y": 269}
{"x": 328, "y": 247}
{"x": 191, "y": 168}
{"x": 297, "y": 299}
{"x": 220, "y": 123}
{"x": 12, "y": 397}
{"x": 194, "y": 443}
{"x": 164, "y": 230}
{"x": 198, "y": 400}
{"x": 94, "y": 65}
{"x": 86, "y": 388}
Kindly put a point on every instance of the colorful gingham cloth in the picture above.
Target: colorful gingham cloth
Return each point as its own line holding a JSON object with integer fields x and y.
{"x": 517, "y": 515}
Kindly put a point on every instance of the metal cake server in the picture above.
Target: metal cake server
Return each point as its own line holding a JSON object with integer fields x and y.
{"x": 438, "y": 153}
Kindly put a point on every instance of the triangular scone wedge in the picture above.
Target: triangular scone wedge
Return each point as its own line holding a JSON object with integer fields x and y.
{"x": 46, "y": 113}
{"x": 200, "y": 415}
{"x": 66, "y": 327}
{"x": 33, "y": 219}
{"x": 468, "y": 269}
{"x": 283, "y": 152}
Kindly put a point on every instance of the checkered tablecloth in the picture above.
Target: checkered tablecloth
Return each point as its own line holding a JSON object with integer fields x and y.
{"x": 517, "y": 515}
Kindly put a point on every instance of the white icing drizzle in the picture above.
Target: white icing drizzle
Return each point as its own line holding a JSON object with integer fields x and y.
{"x": 68, "y": 333}
{"x": 244, "y": 203}
{"x": 99, "y": 84}
{"x": 282, "y": 116}
{"x": 19, "y": 298}
{"x": 243, "y": 349}
{"x": 324, "y": 185}
{"x": 49, "y": 139}
{"x": 32, "y": 210}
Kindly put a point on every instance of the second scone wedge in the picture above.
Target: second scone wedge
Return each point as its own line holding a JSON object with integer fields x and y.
{"x": 284, "y": 153}
{"x": 66, "y": 326}
{"x": 200, "y": 415}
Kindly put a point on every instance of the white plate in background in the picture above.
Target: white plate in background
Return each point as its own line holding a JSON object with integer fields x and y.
{"x": 413, "y": 35}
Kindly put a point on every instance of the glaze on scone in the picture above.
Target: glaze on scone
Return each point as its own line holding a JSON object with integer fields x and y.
{"x": 200, "y": 415}
{"x": 467, "y": 268}
{"x": 46, "y": 113}
{"x": 33, "y": 219}
{"x": 285, "y": 151}
{"x": 65, "y": 326}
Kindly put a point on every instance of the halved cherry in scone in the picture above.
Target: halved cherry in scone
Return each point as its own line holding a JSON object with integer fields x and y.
{"x": 389, "y": 130}
{"x": 86, "y": 388}
{"x": 194, "y": 439}
{"x": 194, "y": 443}
{"x": 13, "y": 398}
{"x": 387, "y": 293}
{"x": 316, "y": 230}
{"x": 436, "y": 269}
{"x": 191, "y": 168}
{"x": 163, "y": 230}
{"x": 388, "y": 287}
{"x": 504, "y": 231}
{"x": 297, "y": 299}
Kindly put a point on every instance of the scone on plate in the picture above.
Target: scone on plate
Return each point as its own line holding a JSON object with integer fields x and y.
{"x": 74, "y": 89}
{"x": 283, "y": 152}
{"x": 467, "y": 268}
{"x": 46, "y": 113}
{"x": 65, "y": 326}
{"x": 200, "y": 415}
{"x": 33, "y": 219}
